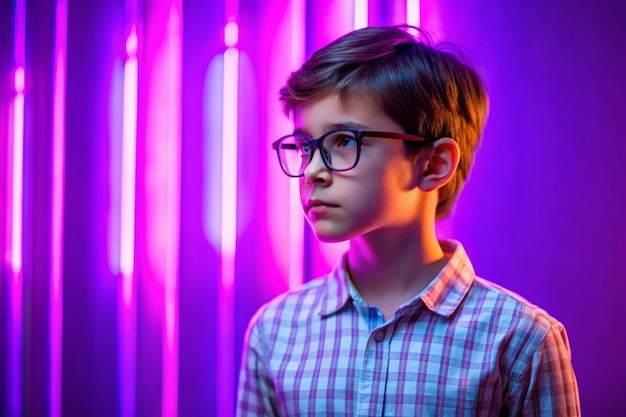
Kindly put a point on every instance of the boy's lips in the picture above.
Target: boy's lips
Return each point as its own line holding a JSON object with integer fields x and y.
{"x": 317, "y": 204}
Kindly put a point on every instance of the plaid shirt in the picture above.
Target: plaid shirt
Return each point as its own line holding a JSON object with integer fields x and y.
{"x": 462, "y": 347}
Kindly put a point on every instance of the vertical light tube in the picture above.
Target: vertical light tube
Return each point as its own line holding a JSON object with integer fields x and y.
{"x": 58, "y": 174}
{"x": 228, "y": 236}
{"x": 172, "y": 210}
{"x": 296, "y": 220}
{"x": 129, "y": 157}
{"x": 161, "y": 165}
{"x": 15, "y": 246}
{"x": 360, "y": 14}
{"x": 413, "y": 12}
{"x": 17, "y": 175}
{"x": 15, "y": 204}
{"x": 128, "y": 312}
{"x": 16, "y": 135}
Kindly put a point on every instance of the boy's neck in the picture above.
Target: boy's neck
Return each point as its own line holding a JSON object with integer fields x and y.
{"x": 393, "y": 267}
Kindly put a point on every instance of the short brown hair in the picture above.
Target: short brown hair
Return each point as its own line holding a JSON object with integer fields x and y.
{"x": 429, "y": 91}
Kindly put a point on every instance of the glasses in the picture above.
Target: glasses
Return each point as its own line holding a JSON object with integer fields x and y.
{"x": 340, "y": 149}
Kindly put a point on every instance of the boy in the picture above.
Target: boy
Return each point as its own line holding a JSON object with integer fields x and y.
{"x": 386, "y": 126}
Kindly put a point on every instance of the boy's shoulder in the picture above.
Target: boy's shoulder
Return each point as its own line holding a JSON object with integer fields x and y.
{"x": 507, "y": 308}
{"x": 524, "y": 330}
{"x": 462, "y": 293}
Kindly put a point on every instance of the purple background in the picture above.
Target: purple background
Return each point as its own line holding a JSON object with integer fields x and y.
{"x": 543, "y": 212}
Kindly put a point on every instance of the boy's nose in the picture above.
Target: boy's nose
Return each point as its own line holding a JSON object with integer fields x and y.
{"x": 316, "y": 169}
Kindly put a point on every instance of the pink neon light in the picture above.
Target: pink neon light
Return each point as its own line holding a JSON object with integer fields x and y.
{"x": 231, "y": 9}
{"x": 132, "y": 42}
{"x": 15, "y": 345}
{"x": 225, "y": 358}
{"x": 360, "y": 14}
{"x": 296, "y": 220}
{"x": 231, "y": 34}
{"x": 162, "y": 194}
{"x": 14, "y": 213}
{"x": 229, "y": 156}
{"x": 129, "y": 158}
{"x": 20, "y": 32}
{"x": 128, "y": 308}
{"x": 127, "y": 322}
{"x": 170, "y": 351}
{"x": 127, "y": 230}
{"x": 15, "y": 246}
{"x": 228, "y": 238}
{"x": 413, "y": 12}
{"x": 58, "y": 174}
{"x": 296, "y": 237}
{"x": 17, "y": 176}
{"x": 19, "y": 80}
{"x": 298, "y": 27}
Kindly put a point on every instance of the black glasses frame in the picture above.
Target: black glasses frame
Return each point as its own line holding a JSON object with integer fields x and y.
{"x": 359, "y": 135}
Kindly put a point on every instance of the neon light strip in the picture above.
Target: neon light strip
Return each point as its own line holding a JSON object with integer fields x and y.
{"x": 360, "y": 14}
{"x": 20, "y": 33}
{"x": 229, "y": 157}
{"x": 58, "y": 168}
{"x": 228, "y": 236}
{"x": 14, "y": 214}
{"x": 296, "y": 237}
{"x": 129, "y": 157}
{"x": 172, "y": 207}
{"x": 128, "y": 309}
{"x": 413, "y": 12}
{"x": 15, "y": 247}
{"x": 17, "y": 187}
{"x": 296, "y": 220}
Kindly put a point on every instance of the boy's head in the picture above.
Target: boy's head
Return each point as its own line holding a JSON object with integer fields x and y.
{"x": 428, "y": 91}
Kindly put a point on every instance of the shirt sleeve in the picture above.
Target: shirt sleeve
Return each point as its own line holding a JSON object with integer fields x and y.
{"x": 547, "y": 387}
{"x": 256, "y": 394}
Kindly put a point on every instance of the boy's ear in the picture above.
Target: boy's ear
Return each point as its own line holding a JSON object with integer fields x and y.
{"x": 437, "y": 163}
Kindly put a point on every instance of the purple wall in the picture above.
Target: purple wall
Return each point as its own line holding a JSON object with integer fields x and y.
{"x": 542, "y": 213}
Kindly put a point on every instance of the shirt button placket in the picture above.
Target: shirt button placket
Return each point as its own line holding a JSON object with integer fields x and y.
{"x": 379, "y": 335}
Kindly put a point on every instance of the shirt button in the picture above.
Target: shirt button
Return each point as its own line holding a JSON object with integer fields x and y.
{"x": 379, "y": 336}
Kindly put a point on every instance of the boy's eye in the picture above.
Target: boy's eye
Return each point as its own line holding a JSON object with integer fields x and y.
{"x": 347, "y": 141}
{"x": 302, "y": 147}
{"x": 341, "y": 140}
{"x": 304, "y": 150}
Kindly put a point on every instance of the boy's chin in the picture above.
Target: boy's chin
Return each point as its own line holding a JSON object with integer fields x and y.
{"x": 331, "y": 231}
{"x": 331, "y": 239}
{"x": 330, "y": 236}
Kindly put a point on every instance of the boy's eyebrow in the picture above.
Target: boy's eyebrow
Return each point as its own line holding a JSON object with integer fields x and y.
{"x": 347, "y": 125}
{"x": 332, "y": 126}
{"x": 300, "y": 131}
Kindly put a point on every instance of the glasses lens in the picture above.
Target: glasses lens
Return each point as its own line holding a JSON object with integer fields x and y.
{"x": 294, "y": 153}
{"x": 341, "y": 149}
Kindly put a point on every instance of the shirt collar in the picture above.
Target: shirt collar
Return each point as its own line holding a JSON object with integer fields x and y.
{"x": 337, "y": 292}
{"x": 442, "y": 296}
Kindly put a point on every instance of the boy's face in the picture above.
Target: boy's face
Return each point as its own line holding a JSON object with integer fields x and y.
{"x": 380, "y": 193}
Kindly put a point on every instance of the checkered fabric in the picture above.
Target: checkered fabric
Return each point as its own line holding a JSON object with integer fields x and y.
{"x": 463, "y": 347}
